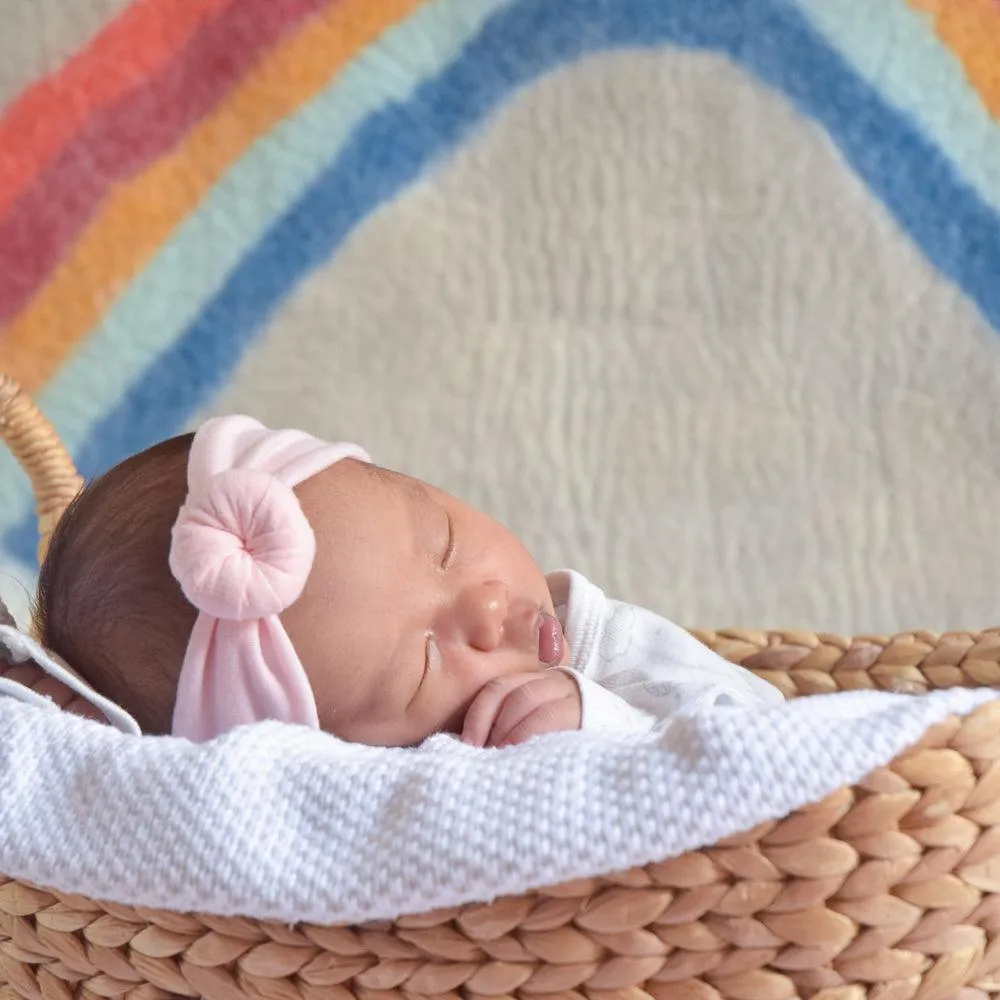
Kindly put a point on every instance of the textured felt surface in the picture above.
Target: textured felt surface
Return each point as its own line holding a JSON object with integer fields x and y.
{"x": 699, "y": 296}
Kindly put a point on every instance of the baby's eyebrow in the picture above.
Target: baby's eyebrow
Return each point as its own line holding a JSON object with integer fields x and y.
{"x": 425, "y": 505}
{"x": 389, "y": 477}
{"x": 419, "y": 500}
{"x": 414, "y": 489}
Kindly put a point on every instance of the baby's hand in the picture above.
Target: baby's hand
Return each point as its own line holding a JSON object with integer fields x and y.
{"x": 32, "y": 676}
{"x": 512, "y": 709}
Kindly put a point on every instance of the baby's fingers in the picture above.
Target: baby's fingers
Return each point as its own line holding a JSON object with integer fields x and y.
{"x": 33, "y": 677}
{"x": 482, "y": 713}
{"x": 522, "y": 702}
{"x": 550, "y": 717}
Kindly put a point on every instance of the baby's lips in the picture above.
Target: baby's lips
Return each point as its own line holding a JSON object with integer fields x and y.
{"x": 551, "y": 641}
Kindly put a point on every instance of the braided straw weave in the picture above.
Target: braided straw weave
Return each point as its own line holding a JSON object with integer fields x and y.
{"x": 889, "y": 890}
{"x": 35, "y": 445}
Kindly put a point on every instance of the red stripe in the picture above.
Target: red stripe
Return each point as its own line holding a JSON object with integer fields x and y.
{"x": 140, "y": 41}
{"x": 118, "y": 141}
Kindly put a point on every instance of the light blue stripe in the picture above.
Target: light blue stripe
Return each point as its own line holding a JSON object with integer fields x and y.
{"x": 895, "y": 48}
{"x": 167, "y": 296}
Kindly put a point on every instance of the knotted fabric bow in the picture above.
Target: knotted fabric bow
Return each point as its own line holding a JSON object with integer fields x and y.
{"x": 242, "y": 550}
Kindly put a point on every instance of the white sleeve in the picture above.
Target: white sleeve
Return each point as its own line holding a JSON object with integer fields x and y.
{"x": 646, "y": 670}
{"x": 603, "y": 711}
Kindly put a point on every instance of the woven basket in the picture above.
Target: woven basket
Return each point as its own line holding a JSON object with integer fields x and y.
{"x": 888, "y": 890}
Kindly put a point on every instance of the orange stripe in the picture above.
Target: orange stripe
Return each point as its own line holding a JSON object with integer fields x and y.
{"x": 140, "y": 215}
{"x": 47, "y": 115}
{"x": 971, "y": 29}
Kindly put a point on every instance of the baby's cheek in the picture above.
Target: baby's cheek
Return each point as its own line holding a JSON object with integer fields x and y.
{"x": 441, "y": 705}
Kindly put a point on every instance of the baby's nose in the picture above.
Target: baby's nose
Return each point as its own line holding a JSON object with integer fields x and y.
{"x": 480, "y": 612}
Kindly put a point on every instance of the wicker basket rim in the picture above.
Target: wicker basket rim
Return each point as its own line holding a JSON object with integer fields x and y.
{"x": 39, "y": 451}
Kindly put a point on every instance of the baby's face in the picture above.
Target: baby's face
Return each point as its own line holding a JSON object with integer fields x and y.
{"x": 414, "y": 603}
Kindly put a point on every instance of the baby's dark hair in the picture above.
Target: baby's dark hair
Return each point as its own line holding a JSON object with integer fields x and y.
{"x": 107, "y": 601}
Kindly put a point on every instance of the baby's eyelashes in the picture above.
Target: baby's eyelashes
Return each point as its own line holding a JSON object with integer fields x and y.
{"x": 432, "y": 655}
{"x": 431, "y": 661}
{"x": 449, "y": 549}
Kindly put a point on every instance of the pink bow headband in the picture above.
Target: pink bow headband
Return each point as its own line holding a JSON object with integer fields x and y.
{"x": 242, "y": 551}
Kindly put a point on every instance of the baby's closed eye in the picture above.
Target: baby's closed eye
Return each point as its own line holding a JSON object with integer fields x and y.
{"x": 448, "y": 555}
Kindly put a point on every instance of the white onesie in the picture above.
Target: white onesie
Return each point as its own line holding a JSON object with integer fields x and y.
{"x": 635, "y": 669}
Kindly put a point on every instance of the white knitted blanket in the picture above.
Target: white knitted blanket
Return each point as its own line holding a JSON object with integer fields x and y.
{"x": 274, "y": 821}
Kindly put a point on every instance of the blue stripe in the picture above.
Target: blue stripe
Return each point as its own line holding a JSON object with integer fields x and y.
{"x": 958, "y": 232}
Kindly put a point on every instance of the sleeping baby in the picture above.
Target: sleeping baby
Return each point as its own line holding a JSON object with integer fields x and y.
{"x": 243, "y": 574}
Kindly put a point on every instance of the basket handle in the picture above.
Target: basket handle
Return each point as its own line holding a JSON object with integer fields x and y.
{"x": 38, "y": 450}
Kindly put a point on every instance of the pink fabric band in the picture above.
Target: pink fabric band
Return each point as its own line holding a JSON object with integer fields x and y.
{"x": 242, "y": 551}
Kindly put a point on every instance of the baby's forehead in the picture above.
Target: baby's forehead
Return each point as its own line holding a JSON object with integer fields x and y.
{"x": 410, "y": 487}
{"x": 368, "y": 491}
{"x": 399, "y": 484}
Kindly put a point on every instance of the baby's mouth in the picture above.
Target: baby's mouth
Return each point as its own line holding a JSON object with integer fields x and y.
{"x": 551, "y": 641}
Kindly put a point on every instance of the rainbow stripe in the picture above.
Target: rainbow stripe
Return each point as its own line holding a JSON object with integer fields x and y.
{"x": 195, "y": 161}
{"x": 127, "y": 134}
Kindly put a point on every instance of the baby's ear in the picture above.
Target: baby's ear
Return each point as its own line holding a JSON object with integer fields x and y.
{"x": 6, "y": 618}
